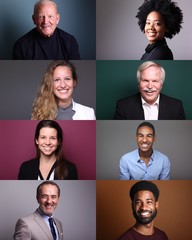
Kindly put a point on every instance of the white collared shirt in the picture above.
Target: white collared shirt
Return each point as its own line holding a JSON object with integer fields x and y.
{"x": 151, "y": 111}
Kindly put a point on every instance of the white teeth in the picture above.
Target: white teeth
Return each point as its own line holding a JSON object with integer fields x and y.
{"x": 63, "y": 91}
{"x": 144, "y": 213}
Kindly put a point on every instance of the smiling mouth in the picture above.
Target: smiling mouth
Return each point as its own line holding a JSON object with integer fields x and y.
{"x": 145, "y": 213}
{"x": 63, "y": 90}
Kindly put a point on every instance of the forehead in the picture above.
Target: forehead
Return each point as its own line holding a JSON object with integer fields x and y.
{"x": 46, "y": 6}
{"x": 144, "y": 194}
{"x": 151, "y": 71}
{"x": 145, "y": 130}
{"x": 48, "y": 131}
{"x": 49, "y": 189}
{"x": 155, "y": 16}
{"x": 62, "y": 70}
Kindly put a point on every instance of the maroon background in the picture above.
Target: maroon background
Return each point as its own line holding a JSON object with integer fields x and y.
{"x": 17, "y": 146}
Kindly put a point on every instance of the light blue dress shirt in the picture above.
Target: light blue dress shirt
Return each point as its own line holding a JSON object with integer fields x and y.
{"x": 133, "y": 168}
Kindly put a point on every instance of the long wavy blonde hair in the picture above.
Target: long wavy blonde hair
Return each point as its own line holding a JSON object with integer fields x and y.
{"x": 46, "y": 103}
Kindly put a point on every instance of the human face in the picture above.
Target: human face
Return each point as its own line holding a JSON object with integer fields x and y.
{"x": 63, "y": 85}
{"x": 150, "y": 84}
{"x": 145, "y": 139}
{"x": 47, "y": 141}
{"x": 144, "y": 207}
{"x": 155, "y": 27}
{"x": 48, "y": 199}
{"x": 46, "y": 19}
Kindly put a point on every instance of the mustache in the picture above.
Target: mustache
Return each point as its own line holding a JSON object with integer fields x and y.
{"x": 149, "y": 90}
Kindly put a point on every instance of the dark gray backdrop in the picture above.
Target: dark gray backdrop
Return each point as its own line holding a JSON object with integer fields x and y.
{"x": 115, "y": 138}
{"x": 20, "y": 81}
{"x": 77, "y": 18}
{"x": 76, "y": 209}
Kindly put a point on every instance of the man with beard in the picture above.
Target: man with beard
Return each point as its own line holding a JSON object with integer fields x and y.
{"x": 144, "y": 196}
{"x": 41, "y": 225}
{"x": 149, "y": 103}
{"x": 145, "y": 163}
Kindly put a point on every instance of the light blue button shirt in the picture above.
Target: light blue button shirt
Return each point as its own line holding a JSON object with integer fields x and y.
{"x": 133, "y": 168}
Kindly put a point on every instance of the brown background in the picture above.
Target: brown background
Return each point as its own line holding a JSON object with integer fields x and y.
{"x": 114, "y": 214}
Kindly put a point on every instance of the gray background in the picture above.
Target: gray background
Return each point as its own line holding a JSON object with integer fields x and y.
{"x": 119, "y": 36}
{"x": 77, "y": 18}
{"x": 115, "y": 138}
{"x": 76, "y": 209}
{"x": 20, "y": 82}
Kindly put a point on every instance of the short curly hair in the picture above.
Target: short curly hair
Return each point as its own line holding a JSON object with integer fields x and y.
{"x": 168, "y": 9}
{"x": 144, "y": 186}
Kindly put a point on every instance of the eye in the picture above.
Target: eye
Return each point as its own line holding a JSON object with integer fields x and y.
{"x": 68, "y": 78}
{"x": 56, "y": 79}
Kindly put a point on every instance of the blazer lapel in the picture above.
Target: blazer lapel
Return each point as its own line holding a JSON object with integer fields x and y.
{"x": 59, "y": 228}
{"x": 42, "y": 224}
{"x": 162, "y": 108}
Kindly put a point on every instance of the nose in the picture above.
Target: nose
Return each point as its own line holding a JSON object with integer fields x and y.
{"x": 144, "y": 138}
{"x": 151, "y": 26}
{"x": 45, "y": 19}
{"x": 62, "y": 83}
{"x": 47, "y": 141}
{"x": 149, "y": 85}
{"x": 48, "y": 199}
{"x": 142, "y": 206}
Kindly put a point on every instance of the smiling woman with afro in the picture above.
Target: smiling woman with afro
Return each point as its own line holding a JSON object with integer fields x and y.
{"x": 159, "y": 19}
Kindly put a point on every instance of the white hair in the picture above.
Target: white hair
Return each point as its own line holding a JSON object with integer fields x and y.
{"x": 148, "y": 64}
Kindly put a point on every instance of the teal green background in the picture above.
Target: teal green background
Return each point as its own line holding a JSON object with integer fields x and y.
{"x": 117, "y": 79}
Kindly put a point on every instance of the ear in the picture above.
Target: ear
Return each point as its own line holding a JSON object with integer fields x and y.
{"x": 34, "y": 20}
{"x": 157, "y": 205}
{"x": 74, "y": 83}
{"x": 36, "y": 141}
{"x": 155, "y": 138}
{"x": 58, "y": 18}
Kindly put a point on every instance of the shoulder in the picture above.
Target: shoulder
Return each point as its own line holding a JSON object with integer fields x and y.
{"x": 30, "y": 163}
{"x": 130, "y": 155}
{"x": 27, "y": 37}
{"x": 159, "y": 155}
{"x": 160, "y": 233}
{"x": 64, "y": 35}
{"x": 130, "y": 99}
{"x": 83, "y": 112}
{"x": 162, "y": 51}
{"x": 82, "y": 107}
{"x": 169, "y": 100}
{"x": 129, "y": 234}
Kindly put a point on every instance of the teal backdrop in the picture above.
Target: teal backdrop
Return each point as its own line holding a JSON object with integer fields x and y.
{"x": 117, "y": 79}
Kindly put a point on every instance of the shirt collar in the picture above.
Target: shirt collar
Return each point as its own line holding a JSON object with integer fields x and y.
{"x": 145, "y": 103}
{"x": 138, "y": 158}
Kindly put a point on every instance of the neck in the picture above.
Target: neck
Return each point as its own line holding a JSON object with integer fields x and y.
{"x": 47, "y": 159}
{"x": 145, "y": 156}
{"x": 145, "y": 229}
{"x": 65, "y": 103}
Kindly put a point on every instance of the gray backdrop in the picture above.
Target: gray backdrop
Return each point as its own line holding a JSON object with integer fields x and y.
{"x": 115, "y": 138}
{"x": 119, "y": 36}
{"x": 77, "y": 18}
{"x": 20, "y": 82}
{"x": 76, "y": 209}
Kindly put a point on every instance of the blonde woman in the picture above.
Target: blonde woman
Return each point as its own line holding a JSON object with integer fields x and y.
{"x": 55, "y": 96}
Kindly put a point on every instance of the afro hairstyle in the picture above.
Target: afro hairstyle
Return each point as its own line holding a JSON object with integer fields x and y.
{"x": 168, "y": 9}
{"x": 144, "y": 186}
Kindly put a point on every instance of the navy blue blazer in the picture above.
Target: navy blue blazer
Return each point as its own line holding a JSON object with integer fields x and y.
{"x": 131, "y": 108}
